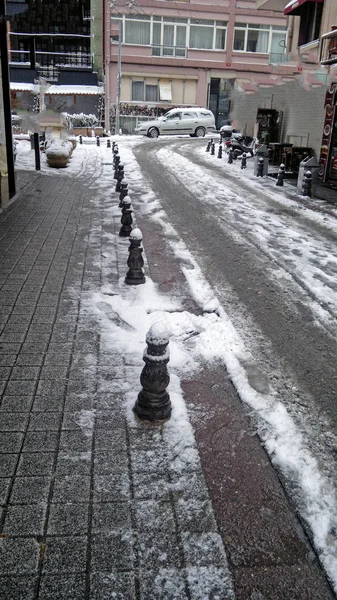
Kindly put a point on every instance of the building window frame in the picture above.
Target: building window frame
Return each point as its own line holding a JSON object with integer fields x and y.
{"x": 268, "y": 32}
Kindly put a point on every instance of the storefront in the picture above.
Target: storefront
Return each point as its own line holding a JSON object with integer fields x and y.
{"x": 328, "y": 155}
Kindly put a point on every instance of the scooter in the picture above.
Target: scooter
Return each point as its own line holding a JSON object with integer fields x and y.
{"x": 240, "y": 144}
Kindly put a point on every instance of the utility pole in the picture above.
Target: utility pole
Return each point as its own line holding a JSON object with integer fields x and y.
{"x": 119, "y": 76}
{"x": 5, "y": 106}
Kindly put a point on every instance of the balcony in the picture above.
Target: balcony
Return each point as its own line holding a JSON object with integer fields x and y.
{"x": 328, "y": 50}
{"x": 176, "y": 51}
{"x": 49, "y": 64}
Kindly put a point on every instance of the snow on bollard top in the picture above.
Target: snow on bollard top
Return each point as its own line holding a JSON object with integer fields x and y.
{"x": 158, "y": 334}
{"x": 127, "y": 200}
{"x": 136, "y": 233}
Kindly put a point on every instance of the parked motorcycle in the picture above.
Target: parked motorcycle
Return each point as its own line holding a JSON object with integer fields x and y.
{"x": 240, "y": 144}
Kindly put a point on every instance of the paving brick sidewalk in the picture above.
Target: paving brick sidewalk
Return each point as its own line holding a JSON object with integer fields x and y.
{"x": 92, "y": 504}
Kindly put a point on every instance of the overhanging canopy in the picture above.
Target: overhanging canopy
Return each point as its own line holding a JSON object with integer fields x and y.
{"x": 294, "y": 7}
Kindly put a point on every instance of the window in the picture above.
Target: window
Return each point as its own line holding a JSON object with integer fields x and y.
{"x": 310, "y": 24}
{"x": 189, "y": 115}
{"x": 137, "y": 32}
{"x": 259, "y": 38}
{"x": 170, "y": 36}
{"x": 142, "y": 92}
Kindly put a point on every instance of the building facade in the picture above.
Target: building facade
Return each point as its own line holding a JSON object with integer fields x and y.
{"x": 188, "y": 53}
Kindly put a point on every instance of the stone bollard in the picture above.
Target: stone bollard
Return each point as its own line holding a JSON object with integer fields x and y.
{"x": 126, "y": 218}
{"x": 135, "y": 274}
{"x": 153, "y": 402}
{"x": 244, "y": 161}
{"x": 260, "y": 167}
{"x": 118, "y": 168}
{"x": 208, "y": 147}
{"x": 108, "y": 143}
{"x": 212, "y": 149}
{"x": 280, "y": 175}
{"x": 307, "y": 180}
{"x": 220, "y": 151}
{"x": 123, "y": 191}
{"x": 120, "y": 177}
{"x": 98, "y": 141}
{"x": 81, "y": 139}
{"x": 230, "y": 156}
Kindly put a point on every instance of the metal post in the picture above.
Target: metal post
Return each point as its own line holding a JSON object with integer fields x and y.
{"x": 6, "y": 99}
{"x": 119, "y": 77}
{"x": 37, "y": 151}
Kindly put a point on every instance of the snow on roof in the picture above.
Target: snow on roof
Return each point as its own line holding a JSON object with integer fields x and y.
{"x": 22, "y": 87}
{"x": 87, "y": 90}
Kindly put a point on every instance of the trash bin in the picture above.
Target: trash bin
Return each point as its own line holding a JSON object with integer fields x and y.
{"x": 307, "y": 164}
{"x": 261, "y": 152}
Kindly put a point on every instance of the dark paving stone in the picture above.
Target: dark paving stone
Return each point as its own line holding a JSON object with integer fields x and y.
{"x": 48, "y": 403}
{"x": 51, "y": 388}
{"x": 110, "y": 516}
{"x": 16, "y": 403}
{"x": 20, "y": 388}
{"x": 204, "y": 549}
{"x": 13, "y": 421}
{"x": 55, "y": 373}
{"x": 19, "y": 556}
{"x": 25, "y": 372}
{"x": 4, "y": 486}
{"x": 148, "y": 486}
{"x": 76, "y": 440}
{"x": 29, "y": 360}
{"x": 37, "y": 441}
{"x": 215, "y": 580}
{"x": 25, "y": 520}
{"x": 195, "y": 516}
{"x": 36, "y": 464}
{"x": 62, "y": 587}
{"x": 111, "y": 461}
{"x": 111, "y": 488}
{"x": 7, "y": 359}
{"x": 10, "y": 441}
{"x": 30, "y": 490}
{"x": 113, "y": 585}
{"x": 44, "y": 421}
{"x": 158, "y": 549}
{"x": 17, "y": 588}
{"x": 71, "y": 488}
{"x": 8, "y": 464}
{"x": 4, "y": 373}
{"x": 111, "y": 551}
{"x": 164, "y": 583}
{"x": 79, "y": 401}
{"x": 68, "y": 519}
{"x": 65, "y": 555}
{"x": 6, "y": 348}
{"x": 73, "y": 463}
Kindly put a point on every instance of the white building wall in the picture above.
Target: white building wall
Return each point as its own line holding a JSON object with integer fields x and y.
{"x": 303, "y": 112}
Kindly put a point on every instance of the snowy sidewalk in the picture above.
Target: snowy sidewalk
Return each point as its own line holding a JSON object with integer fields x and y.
{"x": 94, "y": 504}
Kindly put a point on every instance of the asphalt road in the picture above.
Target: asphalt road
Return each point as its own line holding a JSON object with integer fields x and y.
{"x": 291, "y": 349}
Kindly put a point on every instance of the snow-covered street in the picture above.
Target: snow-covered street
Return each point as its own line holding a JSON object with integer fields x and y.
{"x": 261, "y": 266}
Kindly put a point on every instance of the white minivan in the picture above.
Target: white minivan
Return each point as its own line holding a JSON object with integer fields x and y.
{"x": 193, "y": 121}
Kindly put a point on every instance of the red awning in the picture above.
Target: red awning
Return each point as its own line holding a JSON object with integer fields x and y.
{"x": 293, "y": 6}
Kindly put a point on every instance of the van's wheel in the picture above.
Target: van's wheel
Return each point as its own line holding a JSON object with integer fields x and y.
{"x": 200, "y": 132}
{"x": 153, "y": 132}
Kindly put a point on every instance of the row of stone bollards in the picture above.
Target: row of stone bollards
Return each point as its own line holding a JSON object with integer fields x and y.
{"x": 153, "y": 401}
{"x": 307, "y": 178}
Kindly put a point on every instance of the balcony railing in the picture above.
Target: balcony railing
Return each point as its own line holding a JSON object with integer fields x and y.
{"x": 328, "y": 51}
{"x": 48, "y": 64}
{"x": 177, "y": 51}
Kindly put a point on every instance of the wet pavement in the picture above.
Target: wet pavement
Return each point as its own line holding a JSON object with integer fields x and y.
{"x": 93, "y": 504}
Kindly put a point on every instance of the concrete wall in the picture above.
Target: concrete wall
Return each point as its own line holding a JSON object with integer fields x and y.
{"x": 303, "y": 112}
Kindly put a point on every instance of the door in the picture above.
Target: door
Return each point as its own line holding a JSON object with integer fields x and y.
{"x": 171, "y": 124}
{"x": 333, "y": 151}
{"x": 189, "y": 122}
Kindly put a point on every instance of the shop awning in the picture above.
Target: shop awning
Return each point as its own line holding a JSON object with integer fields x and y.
{"x": 294, "y": 7}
